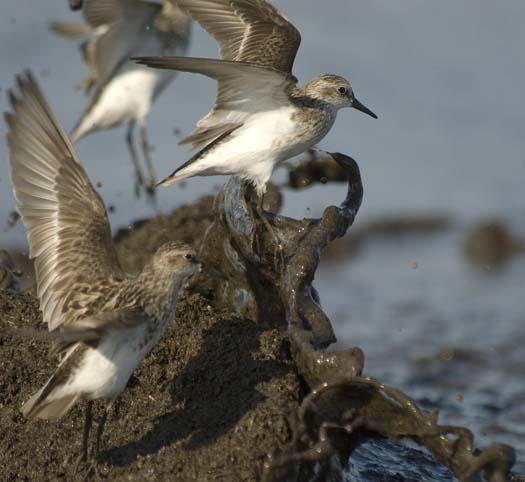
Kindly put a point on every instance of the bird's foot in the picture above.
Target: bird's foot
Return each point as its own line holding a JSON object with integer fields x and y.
{"x": 87, "y": 469}
{"x": 93, "y": 470}
{"x": 139, "y": 183}
{"x": 278, "y": 250}
{"x": 151, "y": 193}
{"x": 81, "y": 460}
{"x": 278, "y": 256}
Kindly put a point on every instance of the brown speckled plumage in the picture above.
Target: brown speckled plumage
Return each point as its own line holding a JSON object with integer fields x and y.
{"x": 86, "y": 299}
{"x": 258, "y": 46}
{"x": 243, "y": 27}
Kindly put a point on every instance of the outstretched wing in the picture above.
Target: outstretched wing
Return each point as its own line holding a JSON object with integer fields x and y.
{"x": 118, "y": 26}
{"x": 248, "y": 31}
{"x": 242, "y": 90}
{"x": 68, "y": 229}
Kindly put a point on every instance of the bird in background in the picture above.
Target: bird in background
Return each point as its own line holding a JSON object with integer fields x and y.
{"x": 121, "y": 92}
{"x": 103, "y": 321}
{"x": 260, "y": 117}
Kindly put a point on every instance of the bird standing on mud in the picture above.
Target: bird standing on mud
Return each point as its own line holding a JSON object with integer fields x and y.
{"x": 122, "y": 91}
{"x": 103, "y": 320}
{"x": 260, "y": 117}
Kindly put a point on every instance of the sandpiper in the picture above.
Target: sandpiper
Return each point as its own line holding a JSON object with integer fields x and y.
{"x": 122, "y": 91}
{"x": 103, "y": 320}
{"x": 260, "y": 117}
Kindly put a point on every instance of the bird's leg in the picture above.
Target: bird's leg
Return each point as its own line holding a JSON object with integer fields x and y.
{"x": 85, "y": 437}
{"x": 100, "y": 431}
{"x": 139, "y": 178}
{"x": 247, "y": 190}
{"x": 150, "y": 186}
{"x": 278, "y": 252}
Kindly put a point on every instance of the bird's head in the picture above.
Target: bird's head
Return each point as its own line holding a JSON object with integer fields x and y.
{"x": 176, "y": 259}
{"x": 336, "y": 91}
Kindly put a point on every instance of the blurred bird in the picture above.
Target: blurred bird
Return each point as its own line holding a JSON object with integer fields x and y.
{"x": 260, "y": 117}
{"x": 103, "y": 320}
{"x": 75, "y": 4}
{"x": 122, "y": 91}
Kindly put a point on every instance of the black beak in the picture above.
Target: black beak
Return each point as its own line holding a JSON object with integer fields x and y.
{"x": 192, "y": 258}
{"x": 363, "y": 108}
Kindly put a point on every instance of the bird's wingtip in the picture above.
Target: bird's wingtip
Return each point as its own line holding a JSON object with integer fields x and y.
{"x": 143, "y": 60}
{"x": 164, "y": 182}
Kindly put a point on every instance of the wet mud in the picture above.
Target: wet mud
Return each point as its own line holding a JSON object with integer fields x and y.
{"x": 241, "y": 387}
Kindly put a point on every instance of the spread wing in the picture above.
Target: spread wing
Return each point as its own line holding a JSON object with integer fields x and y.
{"x": 67, "y": 225}
{"x": 118, "y": 25}
{"x": 242, "y": 90}
{"x": 248, "y": 31}
{"x": 112, "y": 29}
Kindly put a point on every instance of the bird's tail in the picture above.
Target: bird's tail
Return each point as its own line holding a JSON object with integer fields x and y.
{"x": 71, "y": 30}
{"x": 42, "y": 404}
{"x": 83, "y": 127}
{"x": 174, "y": 177}
{"x": 38, "y": 406}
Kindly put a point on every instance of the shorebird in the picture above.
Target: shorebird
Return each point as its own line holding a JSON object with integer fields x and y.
{"x": 122, "y": 91}
{"x": 260, "y": 117}
{"x": 103, "y": 320}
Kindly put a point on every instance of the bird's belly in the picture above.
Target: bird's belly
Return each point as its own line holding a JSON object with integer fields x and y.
{"x": 261, "y": 138}
{"x": 105, "y": 371}
{"x": 126, "y": 97}
{"x": 281, "y": 136}
{"x": 254, "y": 149}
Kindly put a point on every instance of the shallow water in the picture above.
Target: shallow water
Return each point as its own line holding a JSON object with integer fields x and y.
{"x": 450, "y": 336}
{"x": 446, "y": 80}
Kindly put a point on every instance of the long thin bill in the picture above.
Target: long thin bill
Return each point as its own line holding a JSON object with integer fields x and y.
{"x": 363, "y": 108}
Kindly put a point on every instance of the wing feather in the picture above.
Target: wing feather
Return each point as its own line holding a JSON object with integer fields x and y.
{"x": 243, "y": 89}
{"x": 248, "y": 31}
{"x": 125, "y": 20}
{"x": 67, "y": 225}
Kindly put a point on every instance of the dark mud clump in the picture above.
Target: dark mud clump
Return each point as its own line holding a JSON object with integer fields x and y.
{"x": 209, "y": 403}
{"x": 241, "y": 386}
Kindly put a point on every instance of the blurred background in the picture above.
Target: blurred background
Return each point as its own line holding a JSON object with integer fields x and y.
{"x": 430, "y": 280}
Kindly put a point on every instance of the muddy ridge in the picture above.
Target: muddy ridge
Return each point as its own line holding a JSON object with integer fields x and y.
{"x": 240, "y": 388}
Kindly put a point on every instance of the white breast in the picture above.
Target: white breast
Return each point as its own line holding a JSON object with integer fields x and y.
{"x": 127, "y": 97}
{"x": 105, "y": 371}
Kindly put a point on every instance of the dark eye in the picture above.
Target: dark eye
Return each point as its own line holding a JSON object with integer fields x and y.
{"x": 189, "y": 257}
{"x": 342, "y": 90}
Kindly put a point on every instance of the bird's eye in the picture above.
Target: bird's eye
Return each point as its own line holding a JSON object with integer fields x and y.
{"x": 190, "y": 257}
{"x": 342, "y": 90}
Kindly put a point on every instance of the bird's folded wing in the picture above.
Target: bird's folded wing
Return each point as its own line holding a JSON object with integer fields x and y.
{"x": 68, "y": 229}
{"x": 243, "y": 89}
{"x": 92, "y": 328}
{"x": 248, "y": 31}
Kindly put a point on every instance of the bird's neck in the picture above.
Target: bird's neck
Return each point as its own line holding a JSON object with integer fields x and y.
{"x": 160, "y": 288}
{"x": 301, "y": 98}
